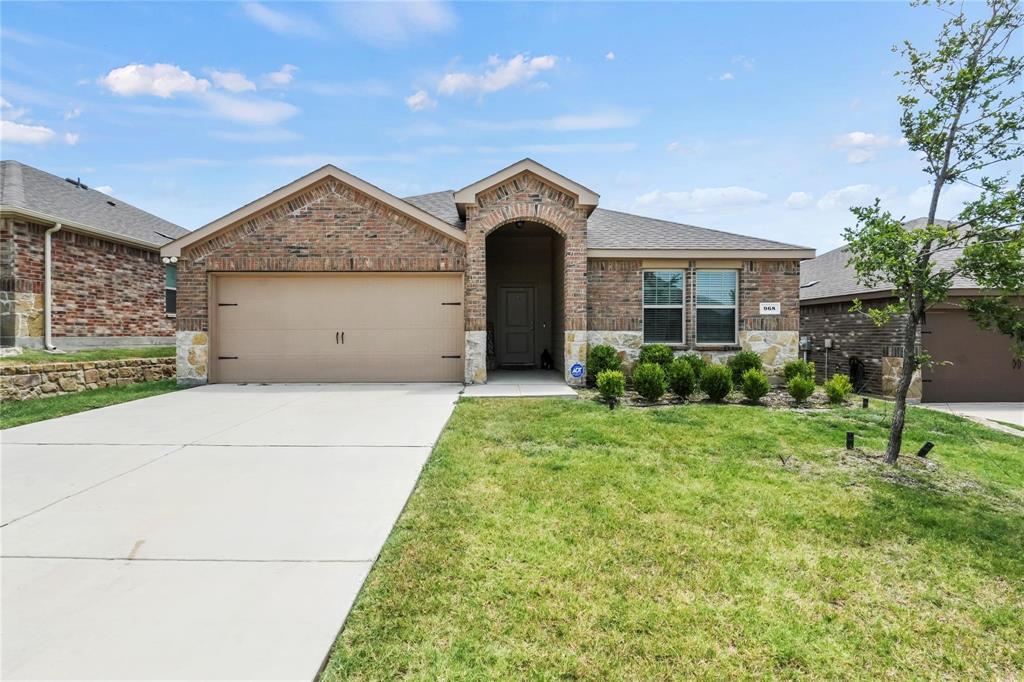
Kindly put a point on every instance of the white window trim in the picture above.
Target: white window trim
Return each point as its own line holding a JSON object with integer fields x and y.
{"x": 681, "y": 307}
{"x": 735, "y": 307}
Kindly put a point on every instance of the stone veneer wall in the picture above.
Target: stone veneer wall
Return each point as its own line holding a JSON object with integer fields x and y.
{"x": 100, "y": 288}
{"x": 854, "y": 334}
{"x": 21, "y": 382}
{"x": 615, "y": 309}
{"x": 526, "y": 197}
{"x": 329, "y": 227}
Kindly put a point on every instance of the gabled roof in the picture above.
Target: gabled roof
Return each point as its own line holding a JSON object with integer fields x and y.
{"x": 830, "y": 276}
{"x": 466, "y": 196}
{"x": 441, "y": 205}
{"x": 38, "y": 195}
{"x": 306, "y": 181}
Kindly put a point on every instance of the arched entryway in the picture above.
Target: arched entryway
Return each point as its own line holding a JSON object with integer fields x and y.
{"x": 525, "y": 288}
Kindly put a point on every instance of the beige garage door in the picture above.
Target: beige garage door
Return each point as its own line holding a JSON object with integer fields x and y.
{"x": 356, "y": 327}
{"x": 971, "y": 365}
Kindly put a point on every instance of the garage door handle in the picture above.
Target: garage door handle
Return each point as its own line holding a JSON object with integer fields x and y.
{"x": 453, "y": 357}
{"x": 343, "y": 338}
{"x": 336, "y": 338}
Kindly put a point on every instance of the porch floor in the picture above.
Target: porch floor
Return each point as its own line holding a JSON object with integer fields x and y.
{"x": 507, "y": 383}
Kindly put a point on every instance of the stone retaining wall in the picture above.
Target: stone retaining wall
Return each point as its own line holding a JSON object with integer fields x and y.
{"x": 21, "y": 382}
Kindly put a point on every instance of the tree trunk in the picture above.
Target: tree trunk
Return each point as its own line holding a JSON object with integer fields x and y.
{"x": 899, "y": 412}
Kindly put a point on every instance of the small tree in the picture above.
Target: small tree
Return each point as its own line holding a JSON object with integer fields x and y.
{"x": 962, "y": 113}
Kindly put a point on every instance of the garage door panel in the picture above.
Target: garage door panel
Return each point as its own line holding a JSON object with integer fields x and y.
{"x": 289, "y": 328}
{"x": 971, "y": 365}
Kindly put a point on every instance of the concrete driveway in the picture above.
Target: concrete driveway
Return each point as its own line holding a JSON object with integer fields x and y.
{"x": 217, "y": 533}
{"x": 1009, "y": 413}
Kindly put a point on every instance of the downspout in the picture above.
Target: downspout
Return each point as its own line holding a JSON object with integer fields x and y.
{"x": 48, "y": 288}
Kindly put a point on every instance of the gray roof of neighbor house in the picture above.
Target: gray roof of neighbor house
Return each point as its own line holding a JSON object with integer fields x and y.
{"x": 829, "y": 276}
{"x": 623, "y": 231}
{"x": 38, "y": 194}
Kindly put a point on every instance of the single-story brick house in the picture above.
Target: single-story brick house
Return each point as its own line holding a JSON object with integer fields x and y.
{"x": 332, "y": 279}
{"x": 972, "y": 365}
{"x": 79, "y": 268}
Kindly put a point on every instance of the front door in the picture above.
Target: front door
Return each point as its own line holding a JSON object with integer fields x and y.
{"x": 515, "y": 342}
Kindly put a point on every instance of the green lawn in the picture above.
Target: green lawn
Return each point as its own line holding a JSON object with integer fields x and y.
{"x": 556, "y": 539}
{"x": 28, "y": 411}
{"x": 38, "y": 357}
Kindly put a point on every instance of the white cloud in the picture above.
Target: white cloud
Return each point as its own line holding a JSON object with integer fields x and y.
{"x": 851, "y": 195}
{"x": 703, "y": 199}
{"x": 280, "y": 78}
{"x": 11, "y": 131}
{"x": 569, "y": 148}
{"x": 746, "y": 62}
{"x": 249, "y": 110}
{"x": 71, "y": 138}
{"x": 265, "y": 135}
{"x": 862, "y": 147}
{"x": 106, "y": 189}
{"x": 280, "y": 22}
{"x": 395, "y": 23}
{"x": 684, "y": 150}
{"x": 420, "y": 100}
{"x": 609, "y": 120}
{"x": 727, "y": 76}
{"x": 74, "y": 113}
{"x": 610, "y": 56}
{"x": 799, "y": 200}
{"x": 232, "y": 81}
{"x": 159, "y": 80}
{"x": 500, "y": 75}
{"x": 10, "y": 112}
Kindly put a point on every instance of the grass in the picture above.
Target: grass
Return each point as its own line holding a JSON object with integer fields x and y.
{"x": 31, "y": 356}
{"x": 1010, "y": 424}
{"x": 553, "y": 539}
{"x": 28, "y": 411}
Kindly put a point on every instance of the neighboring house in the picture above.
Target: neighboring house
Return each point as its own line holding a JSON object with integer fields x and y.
{"x": 971, "y": 365}
{"x": 332, "y": 279}
{"x": 108, "y": 286}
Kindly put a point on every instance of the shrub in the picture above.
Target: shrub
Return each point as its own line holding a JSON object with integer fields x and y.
{"x": 838, "y": 389}
{"x": 741, "y": 362}
{"x": 657, "y": 353}
{"x": 696, "y": 363}
{"x": 801, "y": 388}
{"x": 611, "y": 384}
{"x": 601, "y": 358}
{"x": 716, "y": 381}
{"x": 681, "y": 378}
{"x": 754, "y": 384}
{"x": 798, "y": 368}
{"x": 649, "y": 381}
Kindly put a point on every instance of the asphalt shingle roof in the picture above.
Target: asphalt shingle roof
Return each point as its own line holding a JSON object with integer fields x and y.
{"x": 830, "y": 274}
{"x": 25, "y": 187}
{"x": 616, "y": 230}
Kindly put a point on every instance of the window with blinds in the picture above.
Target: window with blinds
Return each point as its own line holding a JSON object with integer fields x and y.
{"x": 171, "y": 289}
{"x": 716, "y": 306}
{"x": 663, "y": 306}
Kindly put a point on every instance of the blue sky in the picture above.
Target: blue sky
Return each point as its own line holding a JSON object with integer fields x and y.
{"x": 767, "y": 119}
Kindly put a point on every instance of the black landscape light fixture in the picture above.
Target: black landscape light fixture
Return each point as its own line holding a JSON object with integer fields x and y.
{"x": 864, "y": 403}
{"x": 925, "y": 449}
{"x": 849, "y": 440}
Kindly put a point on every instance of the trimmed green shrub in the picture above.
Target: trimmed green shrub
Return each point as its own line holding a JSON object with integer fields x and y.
{"x": 649, "y": 381}
{"x": 658, "y": 353}
{"x": 696, "y": 362}
{"x": 801, "y": 388}
{"x": 838, "y": 389}
{"x": 601, "y": 358}
{"x": 798, "y": 368}
{"x": 681, "y": 378}
{"x": 741, "y": 362}
{"x": 754, "y": 384}
{"x": 611, "y": 384}
{"x": 716, "y": 381}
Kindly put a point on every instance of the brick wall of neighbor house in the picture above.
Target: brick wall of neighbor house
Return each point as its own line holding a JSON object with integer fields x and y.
{"x": 100, "y": 288}
{"x": 615, "y": 308}
{"x": 526, "y": 197}
{"x": 854, "y": 334}
{"x": 329, "y": 227}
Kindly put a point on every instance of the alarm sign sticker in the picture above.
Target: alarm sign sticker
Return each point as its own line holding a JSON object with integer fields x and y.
{"x": 576, "y": 370}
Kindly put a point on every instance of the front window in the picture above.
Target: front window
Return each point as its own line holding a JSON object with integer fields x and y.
{"x": 171, "y": 289}
{"x": 716, "y": 306}
{"x": 663, "y": 306}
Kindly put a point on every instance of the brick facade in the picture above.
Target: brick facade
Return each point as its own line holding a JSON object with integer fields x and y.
{"x": 100, "y": 288}
{"x": 853, "y": 334}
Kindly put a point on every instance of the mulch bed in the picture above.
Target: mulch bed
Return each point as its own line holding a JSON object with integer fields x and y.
{"x": 777, "y": 399}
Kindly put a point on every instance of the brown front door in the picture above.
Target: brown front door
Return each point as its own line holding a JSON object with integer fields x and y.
{"x": 982, "y": 367}
{"x": 351, "y": 327}
{"x": 515, "y": 345}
